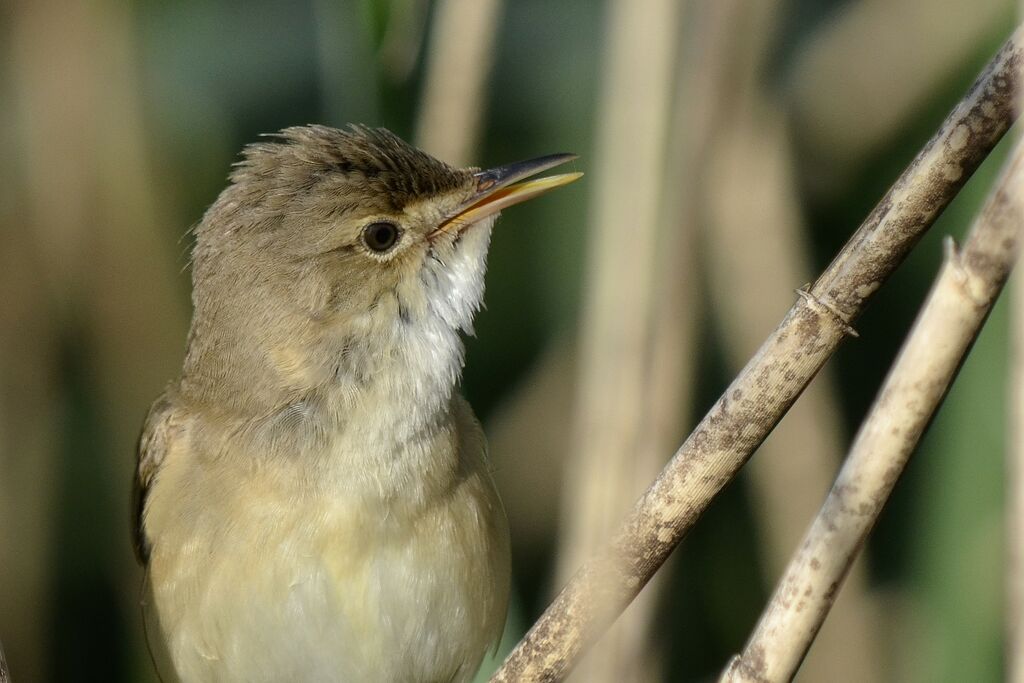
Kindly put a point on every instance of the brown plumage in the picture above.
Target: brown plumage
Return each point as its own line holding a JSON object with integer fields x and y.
{"x": 312, "y": 494}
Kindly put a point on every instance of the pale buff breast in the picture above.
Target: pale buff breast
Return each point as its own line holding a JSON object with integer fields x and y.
{"x": 255, "y": 579}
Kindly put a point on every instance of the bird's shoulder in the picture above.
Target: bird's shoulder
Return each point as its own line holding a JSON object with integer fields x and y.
{"x": 158, "y": 433}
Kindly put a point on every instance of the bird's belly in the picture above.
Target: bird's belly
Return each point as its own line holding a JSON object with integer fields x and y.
{"x": 324, "y": 591}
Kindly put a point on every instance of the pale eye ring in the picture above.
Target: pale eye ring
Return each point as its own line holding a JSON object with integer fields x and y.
{"x": 381, "y": 236}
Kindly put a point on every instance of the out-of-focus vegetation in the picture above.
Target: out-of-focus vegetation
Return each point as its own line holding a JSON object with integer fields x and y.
{"x": 786, "y": 122}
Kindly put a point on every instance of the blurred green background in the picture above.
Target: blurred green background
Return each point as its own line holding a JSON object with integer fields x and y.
{"x": 730, "y": 149}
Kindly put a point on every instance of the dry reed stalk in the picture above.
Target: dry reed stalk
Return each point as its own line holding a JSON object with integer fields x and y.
{"x": 863, "y": 56}
{"x": 1014, "y": 616}
{"x": 753, "y": 200}
{"x": 772, "y": 380}
{"x": 1015, "y": 496}
{"x": 32, "y": 276}
{"x": 461, "y": 52}
{"x": 960, "y": 301}
{"x": 101, "y": 235}
{"x": 1015, "y": 499}
{"x": 618, "y": 445}
{"x": 757, "y": 252}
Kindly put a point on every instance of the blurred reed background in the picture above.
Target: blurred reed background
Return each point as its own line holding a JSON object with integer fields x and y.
{"x": 730, "y": 148}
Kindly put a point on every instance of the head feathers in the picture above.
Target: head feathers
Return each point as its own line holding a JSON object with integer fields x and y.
{"x": 301, "y": 157}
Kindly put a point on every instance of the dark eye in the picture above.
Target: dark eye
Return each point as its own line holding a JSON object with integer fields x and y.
{"x": 381, "y": 236}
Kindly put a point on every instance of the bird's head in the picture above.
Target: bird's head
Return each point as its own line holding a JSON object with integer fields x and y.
{"x": 332, "y": 251}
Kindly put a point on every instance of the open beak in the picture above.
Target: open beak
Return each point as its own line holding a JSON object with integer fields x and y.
{"x": 498, "y": 188}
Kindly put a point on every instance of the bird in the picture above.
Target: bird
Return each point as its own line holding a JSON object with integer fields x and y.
{"x": 313, "y": 500}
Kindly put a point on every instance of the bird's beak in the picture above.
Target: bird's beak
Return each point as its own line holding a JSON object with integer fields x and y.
{"x": 498, "y": 188}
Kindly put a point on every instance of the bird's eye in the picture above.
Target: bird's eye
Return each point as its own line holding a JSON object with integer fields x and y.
{"x": 381, "y": 236}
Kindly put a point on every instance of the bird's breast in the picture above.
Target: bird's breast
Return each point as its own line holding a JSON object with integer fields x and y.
{"x": 260, "y": 575}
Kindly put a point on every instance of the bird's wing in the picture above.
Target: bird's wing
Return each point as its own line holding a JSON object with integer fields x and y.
{"x": 154, "y": 441}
